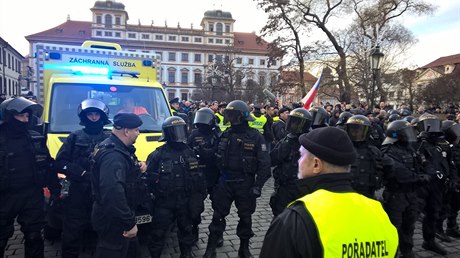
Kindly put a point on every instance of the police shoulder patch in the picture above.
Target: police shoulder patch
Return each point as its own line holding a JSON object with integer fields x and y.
{"x": 264, "y": 147}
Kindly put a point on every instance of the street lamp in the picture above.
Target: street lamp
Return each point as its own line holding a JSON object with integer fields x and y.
{"x": 376, "y": 57}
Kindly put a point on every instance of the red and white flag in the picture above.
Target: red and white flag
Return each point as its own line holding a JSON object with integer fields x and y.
{"x": 308, "y": 99}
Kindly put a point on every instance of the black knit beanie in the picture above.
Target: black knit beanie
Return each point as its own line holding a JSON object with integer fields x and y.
{"x": 329, "y": 144}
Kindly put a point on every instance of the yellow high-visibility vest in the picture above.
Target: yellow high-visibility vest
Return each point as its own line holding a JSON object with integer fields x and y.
{"x": 351, "y": 225}
{"x": 258, "y": 122}
{"x": 221, "y": 124}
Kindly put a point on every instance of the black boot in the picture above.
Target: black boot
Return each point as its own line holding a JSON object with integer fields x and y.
{"x": 195, "y": 233}
{"x": 3, "y": 243}
{"x": 453, "y": 232}
{"x": 243, "y": 252}
{"x": 211, "y": 248}
{"x": 220, "y": 241}
{"x": 34, "y": 245}
{"x": 433, "y": 246}
{"x": 443, "y": 237}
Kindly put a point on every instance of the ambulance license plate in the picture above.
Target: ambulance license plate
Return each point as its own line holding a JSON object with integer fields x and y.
{"x": 143, "y": 219}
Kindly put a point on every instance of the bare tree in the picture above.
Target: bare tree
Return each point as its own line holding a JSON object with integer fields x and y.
{"x": 442, "y": 90}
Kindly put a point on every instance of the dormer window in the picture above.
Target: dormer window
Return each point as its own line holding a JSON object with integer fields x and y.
{"x": 108, "y": 21}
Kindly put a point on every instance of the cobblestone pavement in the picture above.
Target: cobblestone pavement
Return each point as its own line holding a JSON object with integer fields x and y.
{"x": 261, "y": 221}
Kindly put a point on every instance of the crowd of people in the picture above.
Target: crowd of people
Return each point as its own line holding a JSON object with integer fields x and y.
{"x": 328, "y": 164}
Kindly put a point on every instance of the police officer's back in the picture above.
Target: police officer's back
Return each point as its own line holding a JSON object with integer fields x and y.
{"x": 177, "y": 183}
{"x": 284, "y": 157}
{"x": 115, "y": 174}
{"x": 73, "y": 160}
{"x": 25, "y": 168}
{"x": 320, "y": 117}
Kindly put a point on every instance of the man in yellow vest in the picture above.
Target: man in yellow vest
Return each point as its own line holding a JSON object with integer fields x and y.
{"x": 263, "y": 123}
{"x": 331, "y": 219}
{"x": 220, "y": 117}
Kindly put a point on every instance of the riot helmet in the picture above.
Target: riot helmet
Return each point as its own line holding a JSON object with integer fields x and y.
{"x": 394, "y": 117}
{"x": 204, "y": 116}
{"x": 401, "y": 131}
{"x": 343, "y": 117}
{"x": 299, "y": 121}
{"x": 451, "y": 130}
{"x": 237, "y": 112}
{"x": 429, "y": 123}
{"x": 404, "y": 112}
{"x": 18, "y": 105}
{"x": 174, "y": 130}
{"x": 93, "y": 105}
{"x": 358, "y": 128}
{"x": 393, "y": 112}
{"x": 320, "y": 117}
{"x": 408, "y": 118}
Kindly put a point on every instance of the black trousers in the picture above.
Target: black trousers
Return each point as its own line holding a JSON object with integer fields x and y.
{"x": 27, "y": 206}
{"x": 166, "y": 211}
{"x": 403, "y": 210}
{"x": 224, "y": 195}
{"x": 283, "y": 195}
{"x": 432, "y": 195}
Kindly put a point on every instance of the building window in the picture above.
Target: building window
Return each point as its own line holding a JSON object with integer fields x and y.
{"x": 273, "y": 80}
{"x": 171, "y": 95}
{"x": 108, "y": 21}
{"x": 219, "y": 58}
{"x": 198, "y": 40}
{"x": 219, "y": 28}
{"x": 211, "y": 27}
{"x": 211, "y": 41}
{"x": 274, "y": 62}
{"x": 118, "y": 34}
{"x": 132, "y": 35}
{"x": 172, "y": 76}
{"x": 227, "y": 28}
{"x": 184, "y": 77}
{"x": 160, "y": 54}
{"x": 99, "y": 19}
{"x": 251, "y": 61}
{"x": 197, "y": 57}
{"x": 172, "y": 38}
{"x": 227, "y": 42}
{"x": 197, "y": 79}
{"x": 159, "y": 37}
{"x": 262, "y": 61}
{"x": 99, "y": 33}
{"x": 145, "y": 36}
{"x": 108, "y": 33}
{"x": 262, "y": 80}
{"x": 117, "y": 20}
{"x": 219, "y": 41}
{"x": 239, "y": 60}
{"x": 172, "y": 56}
{"x": 184, "y": 39}
{"x": 184, "y": 95}
{"x": 210, "y": 58}
{"x": 184, "y": 57}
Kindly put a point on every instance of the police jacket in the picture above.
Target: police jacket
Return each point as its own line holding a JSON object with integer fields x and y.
{"x": 114, "y": 173}
{"x": 405, "y": 172}
{"x": 435, "y": 158}
{"x": 284, "y": 157}
{"x": 241, "y": 151}
{"x": 205, "y": 147}
{"x": 294, "y": 233}
{"x": 174, "y": 170}
{"x": 279, "y": 129}
{"x": 25, "y": 161}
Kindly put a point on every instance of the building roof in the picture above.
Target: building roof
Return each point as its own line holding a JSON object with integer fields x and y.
{"x": 109, "y": 5}
{"x": 445, "y": 60}
{"x": 291, "y": 76}
{"x": 81, "y": 30}
{"x": 218, "y": 14}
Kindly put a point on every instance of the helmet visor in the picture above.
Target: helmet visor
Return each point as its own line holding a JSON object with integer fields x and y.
{"x": 430, "y": 126}
{"x": 176, "y": 133}
{"x": 453, "y": 133}
{"x": 232, "y": 116}
{"x": 357, "y": 133}
{"x": 319, "y": 118}
{"x": 204, "y": 118}
{"x": 408, "y": 134}
{"x": 297, "y": 125}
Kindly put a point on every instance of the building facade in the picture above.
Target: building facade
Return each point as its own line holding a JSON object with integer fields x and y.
{"x": 185, "y": 53}
{"x": 10, "y": 69}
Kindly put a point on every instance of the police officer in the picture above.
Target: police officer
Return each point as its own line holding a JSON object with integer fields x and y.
{"x": 263, "y": 123}
{"x": 433, "y": 163}
{"x": 175, "y": 106}
{"x": 244, "y": 167}
{"x": 330, "y": 220}
{"x": 178, "y": 187}
{"x": 400, "y": 194}
{"x": 452, "y": 134}
{"x": 284, "y": 157}
{"x": 320, "y": 117}
{"x": 368, "y": 168}
{"x": 220, "y": 117}
{"x": 343, "y": 118}
{"x": 73, "y": 160}
{"x": 115, "y": 173}
{"x": 279, "y": 127}
{"x": 203, "y": 140}
{"x": 25, "y": 168}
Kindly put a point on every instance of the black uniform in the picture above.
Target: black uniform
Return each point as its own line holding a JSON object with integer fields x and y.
{"x": 454, "y": 205}
{"x": 178, "y": 187}
{"x": 73, "y": 159}
{"x": 279, "y": 130}
{"x": 116, "y": 183}
{"x": 284, "y": 157}
{"x": 400, "y": 196}
{"x": 25, "y": 168}
{"x": 245, "y": 165}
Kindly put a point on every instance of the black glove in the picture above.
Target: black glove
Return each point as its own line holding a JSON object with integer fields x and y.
{"x": 256, "y": 191}
{"x": 424, "y": 178}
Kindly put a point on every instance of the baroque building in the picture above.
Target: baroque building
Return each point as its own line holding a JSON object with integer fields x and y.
{"x": 186, "y": 54}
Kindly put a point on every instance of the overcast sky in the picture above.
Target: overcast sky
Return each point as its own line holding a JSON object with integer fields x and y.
{"x": 438, "y": 35}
